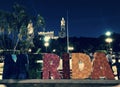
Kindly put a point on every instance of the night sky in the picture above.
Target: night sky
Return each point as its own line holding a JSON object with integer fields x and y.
{"x": 88, "y": 18}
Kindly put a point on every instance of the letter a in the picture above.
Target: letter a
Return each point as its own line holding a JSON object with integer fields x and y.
{"x": 101, "y": 67}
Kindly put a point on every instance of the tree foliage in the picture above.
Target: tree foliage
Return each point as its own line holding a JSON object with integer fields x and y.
{"x": 14, "y": 26}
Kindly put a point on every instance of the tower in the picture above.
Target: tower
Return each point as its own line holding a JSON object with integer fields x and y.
{"x": 62, "y": 32}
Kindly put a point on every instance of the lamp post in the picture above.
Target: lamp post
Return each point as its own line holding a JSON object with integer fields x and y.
{"x": 46, "y": 41}
{"x": 46, "y": 44}
{"x": 109, "y": 40}
{"x": 108, "y": 33}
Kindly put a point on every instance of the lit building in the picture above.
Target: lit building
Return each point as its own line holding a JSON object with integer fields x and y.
{"x": 49, "y": 34}
{"x": 62, "y": 32}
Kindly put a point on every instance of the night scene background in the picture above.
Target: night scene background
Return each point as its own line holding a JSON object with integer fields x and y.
{"x": 87, "y": 21}
{"x": 89, "y": 18}
{"x": 24, "y": 25}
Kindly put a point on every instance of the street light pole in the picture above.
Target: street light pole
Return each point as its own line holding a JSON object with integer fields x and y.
{"x": 109, "y": 40}
{"x": 67, "y": 35}
{"x": 46, "y": 42}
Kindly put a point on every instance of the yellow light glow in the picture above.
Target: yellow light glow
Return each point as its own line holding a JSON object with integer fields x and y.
{"x": 70, "y": 48}
{"x": 46, "y": 44}
{"x": 108, "y": 40}
{"x": 47, "y": 38}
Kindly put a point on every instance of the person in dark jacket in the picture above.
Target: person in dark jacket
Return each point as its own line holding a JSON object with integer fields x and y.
{"x": 15, "y": 66}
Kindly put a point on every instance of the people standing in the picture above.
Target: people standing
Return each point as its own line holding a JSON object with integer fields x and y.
{"x": 109, "y": 58}
{"x": 15, "y": 66}
{"x": 117, "y": 64}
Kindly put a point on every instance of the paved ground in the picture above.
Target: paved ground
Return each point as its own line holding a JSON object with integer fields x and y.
{"x": 59, "y": 83}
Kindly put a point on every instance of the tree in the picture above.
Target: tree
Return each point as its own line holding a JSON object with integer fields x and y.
{"x": 15, "y": 26}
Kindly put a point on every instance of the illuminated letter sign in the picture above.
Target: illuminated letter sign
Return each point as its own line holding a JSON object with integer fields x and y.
{"x": 50, "y": 65}
{"x": 81, "y": 66}
{"x": 66, "y": 66}
{"x": 101, "y": 67}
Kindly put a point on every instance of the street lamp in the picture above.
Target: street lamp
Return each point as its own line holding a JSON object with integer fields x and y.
{"x": 108, "y": 33}
{"x": 109, "y": 41}
{"x": 46, "y": 44}
{"x": 46, "y": 38}
{"x": 46, "y": 41}
{"x": 70, "y": 48}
